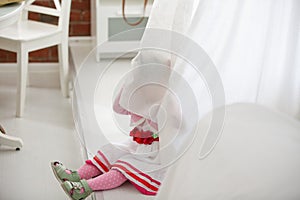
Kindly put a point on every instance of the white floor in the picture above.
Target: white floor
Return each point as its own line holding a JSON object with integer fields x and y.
{"x": 107, "y": 86}
{"x": 48, "y": 134}
{"x": 47, "y": 130}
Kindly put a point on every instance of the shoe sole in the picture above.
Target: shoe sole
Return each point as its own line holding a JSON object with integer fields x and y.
{"x": 55, "y": 174}
{"x": 66, "y": 191}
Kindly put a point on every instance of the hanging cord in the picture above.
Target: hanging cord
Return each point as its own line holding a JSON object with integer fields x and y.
{"x": 140, "y": 20}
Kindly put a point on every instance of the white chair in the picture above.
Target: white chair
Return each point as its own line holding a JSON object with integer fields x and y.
{"x": 27, "y": 35}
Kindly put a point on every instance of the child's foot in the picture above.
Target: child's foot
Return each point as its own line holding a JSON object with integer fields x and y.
{"x": 63, "y": 174}
{"x": 77, "y": 190}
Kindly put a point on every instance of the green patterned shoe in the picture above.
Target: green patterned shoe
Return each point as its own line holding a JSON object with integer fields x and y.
{"x": 63, "y": 174}
{"x": 77, "y": 190}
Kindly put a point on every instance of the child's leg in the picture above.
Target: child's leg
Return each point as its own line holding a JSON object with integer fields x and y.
{"x": 109, "y": 180}
{"x": 88, "y": 170}
{"x": 83, "y": 188}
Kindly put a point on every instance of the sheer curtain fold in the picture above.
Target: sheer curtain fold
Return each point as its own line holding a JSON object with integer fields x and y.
{"x": 255, "y": 47}
{"x": 280, "y": 78}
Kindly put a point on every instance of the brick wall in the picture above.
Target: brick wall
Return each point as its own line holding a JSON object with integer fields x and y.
{"x": 79, "y": 26}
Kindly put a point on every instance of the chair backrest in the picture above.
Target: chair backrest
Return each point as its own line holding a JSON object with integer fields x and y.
{"x": 61, "y": 11}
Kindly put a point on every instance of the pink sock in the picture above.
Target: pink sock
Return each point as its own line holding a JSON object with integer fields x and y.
{"x": 88, "y": 171}
{"x": 109, "y": 180}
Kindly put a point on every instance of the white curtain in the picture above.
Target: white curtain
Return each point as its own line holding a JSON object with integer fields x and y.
{"x": 254, "y": 44}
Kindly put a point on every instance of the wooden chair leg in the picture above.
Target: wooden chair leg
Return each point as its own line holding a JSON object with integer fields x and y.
{"x": 63, "y": 53}
{"x": 22, "y": 61}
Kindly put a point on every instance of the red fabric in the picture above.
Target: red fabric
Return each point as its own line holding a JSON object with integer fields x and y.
{"x": 142, "y": 190}
{"x": 143, "y": 137}
{"x": 135, "y": 170}
{"x": 102, "y": 165}
{"x": 105, "y": 159}
{"x": 137, "y": 178}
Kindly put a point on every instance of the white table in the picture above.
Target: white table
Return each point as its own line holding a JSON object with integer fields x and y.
{"x": 9, "y": 14}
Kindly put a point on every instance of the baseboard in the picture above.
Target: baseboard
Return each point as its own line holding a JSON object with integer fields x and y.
{"x": 32, "y": 67}
{"x": 39, "y": 74}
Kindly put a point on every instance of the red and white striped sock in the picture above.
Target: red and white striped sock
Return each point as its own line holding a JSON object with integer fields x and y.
{"x": 106, "y": 181}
